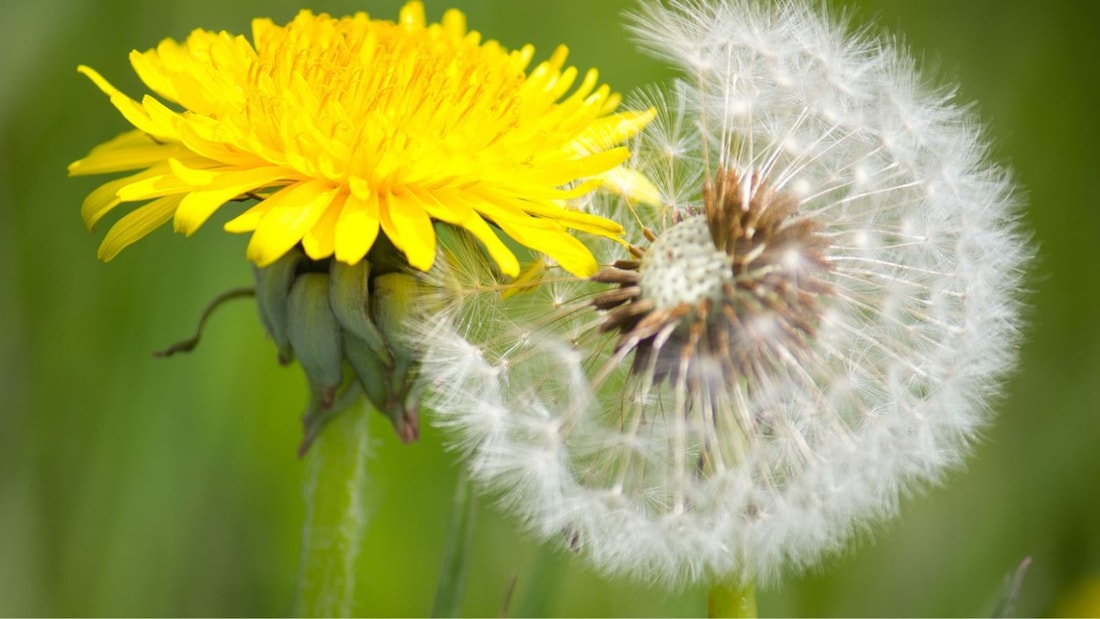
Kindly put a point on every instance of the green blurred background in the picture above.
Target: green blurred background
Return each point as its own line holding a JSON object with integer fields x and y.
{"x": 138, "y": 486}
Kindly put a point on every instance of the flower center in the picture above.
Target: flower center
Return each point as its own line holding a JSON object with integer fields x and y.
{"x": 737, "y": 287}
{"x": 684, "y": 266}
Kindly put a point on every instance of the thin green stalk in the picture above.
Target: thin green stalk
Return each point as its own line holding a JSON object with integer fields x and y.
{"x": 335, "y": 491}
{"x": 731, "y": 600}
{"x": 544, "y": 585}
{"x": 451, "y": 585}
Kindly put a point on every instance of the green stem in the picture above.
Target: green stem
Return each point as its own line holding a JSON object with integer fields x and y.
{"x": 451, "y": 584}
{"x": 190, "y": 343}
{"x": 731, "y": 600}
{"x": 335, "y": 491}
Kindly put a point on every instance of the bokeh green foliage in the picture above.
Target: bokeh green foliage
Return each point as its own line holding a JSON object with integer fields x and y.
{"x": 138, "y": 486}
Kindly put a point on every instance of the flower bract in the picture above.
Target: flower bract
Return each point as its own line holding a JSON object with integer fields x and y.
{"x": 346, "y": 128}
{"x": 813, "y": 325}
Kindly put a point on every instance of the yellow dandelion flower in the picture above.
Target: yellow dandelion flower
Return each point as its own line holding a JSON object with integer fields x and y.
{"x": 343, "y": 129}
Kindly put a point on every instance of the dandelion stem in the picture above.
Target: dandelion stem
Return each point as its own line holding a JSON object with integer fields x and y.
{"x": 335, "y": 488}
{"x": 731, "y": 600}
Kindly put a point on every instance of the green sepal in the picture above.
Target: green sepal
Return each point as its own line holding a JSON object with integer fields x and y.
{"x": 371, "y": 372}
{"x": 314, "y": 334}
{"x": 376, "y": 380}
{"x": 350, "y": 298}
{"x": 273, "y": 284}
{"x": 391, "y": 304}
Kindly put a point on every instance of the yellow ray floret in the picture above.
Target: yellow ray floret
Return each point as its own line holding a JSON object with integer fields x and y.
{"x": 350, "y": 128}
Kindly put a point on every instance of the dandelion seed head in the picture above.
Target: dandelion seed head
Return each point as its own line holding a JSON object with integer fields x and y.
{"x": 812, "y": 325}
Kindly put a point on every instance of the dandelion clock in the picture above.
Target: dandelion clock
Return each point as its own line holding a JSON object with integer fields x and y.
{"x": 812, "y": 324}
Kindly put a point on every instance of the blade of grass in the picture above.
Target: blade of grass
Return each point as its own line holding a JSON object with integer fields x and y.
{"x": 451, "y": 585}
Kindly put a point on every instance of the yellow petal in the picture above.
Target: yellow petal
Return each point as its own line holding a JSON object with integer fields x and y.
{"x": 632, "y": 185}
{"x": 412, "y": 229}
{"x": 131, "y": 110}
{"x": 454, "y": 23}
{"x": 105, "y": 197}
{"x": 493, "y": 209}
{"x": 498, "y": 251}
{"x": 136, "y": 224}
{"x": 291, "y": 213}
{"x": 148, "y": 67}
{"x": 128, "y": 151}
{"x": 412, "y": 15}
{"x": 463, "y": 215}
{"x": 357, "y": 228}
{"x": 262, "y": 30}
{"x": 567, "y": 251}
{"x": 200, "y": 135}
{"x": 610, "y": 130}
{"x": 591, "y": 77}
{"x": 160, "y": 114}
{"x": 551, "y": 213}
{"x": 561, "y": 83}
{"x": 194, "y": 177}
{"x": 153, "y": 187}
{"x": 248, "y": 220}
{"x": 320, "y": 241}
{"x": 612, "y": 103}
{"x": 568, "y": 170}
{"x": 198, "y": 206}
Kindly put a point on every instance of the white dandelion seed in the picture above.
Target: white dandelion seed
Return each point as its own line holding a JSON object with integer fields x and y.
{"x": 815, "y": 326}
